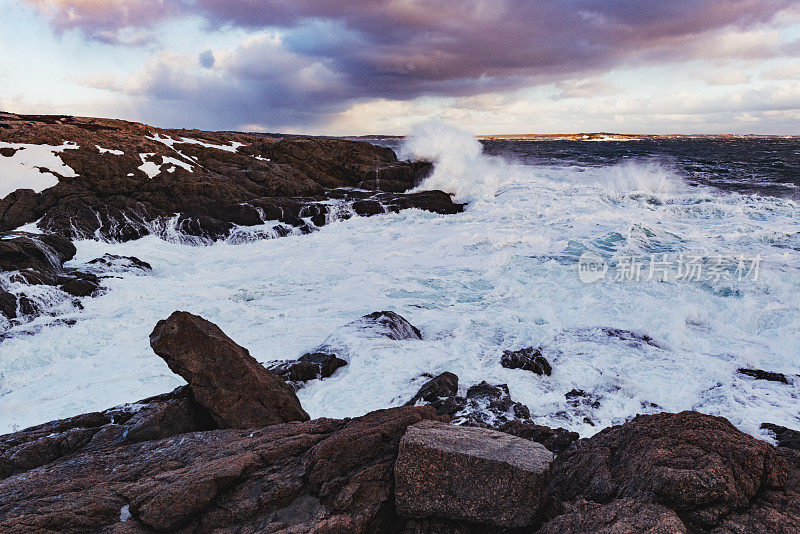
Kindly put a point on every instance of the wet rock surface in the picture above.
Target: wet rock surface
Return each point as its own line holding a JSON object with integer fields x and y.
{"x": 131, "y": 179}
{"x": 311, "y": 366}
{"x": 470, "y": 474}
{"x": 28, "y": 259}
{"x": 786, "y": 437}
{"x": 528, "y": 359}
{"x": 760, "y": 374}
{"x": 386, "y": 324}
{"x": 489, "y": 406}
{"x": 236, "y": 390}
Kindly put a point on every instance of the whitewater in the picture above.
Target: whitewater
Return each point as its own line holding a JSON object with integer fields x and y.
{"x": 502, "y": 275}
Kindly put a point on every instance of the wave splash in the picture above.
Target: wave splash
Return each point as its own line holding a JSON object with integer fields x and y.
{"x": 461, "y": 167}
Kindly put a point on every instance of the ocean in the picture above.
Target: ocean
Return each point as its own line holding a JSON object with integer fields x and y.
{"x": 648, "y": 272}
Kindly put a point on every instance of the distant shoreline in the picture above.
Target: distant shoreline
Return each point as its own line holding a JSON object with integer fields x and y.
{"x": 595, "y": 136}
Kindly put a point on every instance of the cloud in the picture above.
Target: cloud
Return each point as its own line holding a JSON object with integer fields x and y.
{"x": 586, "y": 88}
{"x": 723, "y": 77}
{"x": 782, "y": 72}
{"x": 324, "y": 56}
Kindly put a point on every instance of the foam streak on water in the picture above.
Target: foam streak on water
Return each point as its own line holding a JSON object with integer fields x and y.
{"x": 501, "y": 275}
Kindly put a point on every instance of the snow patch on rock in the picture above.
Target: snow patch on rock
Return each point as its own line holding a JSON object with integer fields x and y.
{"x": 34, "y": 167}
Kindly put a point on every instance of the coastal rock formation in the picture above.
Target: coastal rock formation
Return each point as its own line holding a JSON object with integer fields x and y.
{"x": 311, "y": 366}
{"x": 164, "y": 465}
{"x": 38, "y": 259}
{"x": 528, "y": 359}
{"x": 236, "y": 390}
{"x": 331, "y": 354}
{"x": 697, "y": 465}
{"x": 120, "y": 180}
{"x": 150, "y": 419}
{"x": 470, "y": 474}
{"x": 785, "y": 437}
{"x": 489, "y": 406}
{"x": 324, "y": 475}
{"x": 386, "y": 324}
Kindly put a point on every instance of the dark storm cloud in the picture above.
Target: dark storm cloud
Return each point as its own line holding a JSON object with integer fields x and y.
{"x": 401, "y": 49}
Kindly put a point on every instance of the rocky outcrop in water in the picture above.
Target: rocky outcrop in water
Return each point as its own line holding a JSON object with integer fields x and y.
{"x": 120, "y": 180}
{"x": 236, "y": 390}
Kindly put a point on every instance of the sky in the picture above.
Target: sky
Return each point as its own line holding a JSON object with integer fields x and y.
{"x": 340, "y": 67}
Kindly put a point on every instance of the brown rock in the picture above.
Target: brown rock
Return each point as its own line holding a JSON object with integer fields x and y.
{"x": 470, "y": 474}
{"x": 149, "y": 419}
{"x": 112, "y": 197}
{"x": 617, "y": 517}
{"x": 698, "y": 465}
{"x": 236, "y": 390}
{"x": 319, "y": 476}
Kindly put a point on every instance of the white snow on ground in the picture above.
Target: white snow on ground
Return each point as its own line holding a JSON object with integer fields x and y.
{"x": 176, "y": 162}
{"x": 148, "y": 167}
{"x": 170, "y": 142}
{"x": 152, "y": 169}
{"x": 501, "y": 275}
{"x": 110, "y": 151}
{"x": 22, "y": 169}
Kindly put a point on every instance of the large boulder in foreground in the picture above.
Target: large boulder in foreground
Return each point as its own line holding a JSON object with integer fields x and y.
{"x": 700, "y": 466}
{"x": 470, "y": 474}
{"x": 236, "y": 390}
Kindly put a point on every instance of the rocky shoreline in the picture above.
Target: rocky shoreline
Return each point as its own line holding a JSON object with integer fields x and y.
{"x": 86, "y": 178}
{"x": 233, "y": 451}
{"x": 119, "y": 180}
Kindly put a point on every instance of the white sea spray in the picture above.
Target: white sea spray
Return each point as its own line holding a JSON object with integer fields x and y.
{"x": 501, "y": 275}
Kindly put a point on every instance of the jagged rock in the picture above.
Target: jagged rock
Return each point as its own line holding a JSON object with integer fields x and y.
{"x": 325, "y": 476}
{"x": 617, "y": 517}
{"x": 529, "y": 359}
{"x": 237, "y": 391}
{"x": 307, "y": 367}
{"x": 490, "y": 406}
{"x": 80, "y": 284}
{"x": 8, "y": 304}
{"x": 437, "y": 391}
{"x": 634, "y": 339}
{"x": 786, "y": 436}
{"x": 386, "y": 324}
{"x": 42, "y": 253}
{"x": 38, "y": 259}
{"x": 470, "y": 474}
{"x": 556, "y": 440}
{"x": 115, "y": 263}
{"x": 698, "y": 465}
{"x": 758, "y": 374}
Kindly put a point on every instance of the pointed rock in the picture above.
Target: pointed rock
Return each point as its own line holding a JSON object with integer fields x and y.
{"x": 237, "y": 391}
